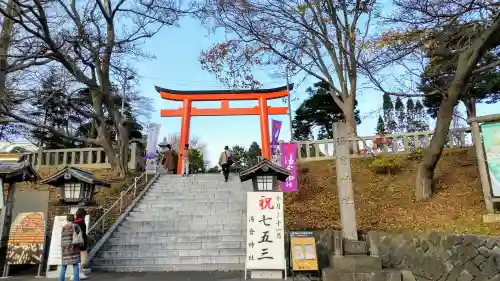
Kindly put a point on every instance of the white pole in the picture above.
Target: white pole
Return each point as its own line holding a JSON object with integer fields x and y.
{"x": 289, "y": 105}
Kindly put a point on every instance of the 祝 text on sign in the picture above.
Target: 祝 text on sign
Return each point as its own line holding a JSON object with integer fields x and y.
{"x": 289, "y": 162}
{"x": 265, "y": 231}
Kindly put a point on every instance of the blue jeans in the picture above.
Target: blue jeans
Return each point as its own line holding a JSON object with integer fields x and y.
{"x": 76, "y": 272}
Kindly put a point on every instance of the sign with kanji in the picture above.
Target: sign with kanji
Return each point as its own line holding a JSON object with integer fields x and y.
{"x": 265, "y": 231}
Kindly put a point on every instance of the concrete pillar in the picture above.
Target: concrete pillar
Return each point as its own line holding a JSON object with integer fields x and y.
{"x": 344, "y": 181}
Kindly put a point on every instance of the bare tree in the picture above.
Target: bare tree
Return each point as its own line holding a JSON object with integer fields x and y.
{"x": 194, "y": 142}
{"x": 93, "y": 40}
{"x": 323, "y": 39}
{"x": 422, "y": 27}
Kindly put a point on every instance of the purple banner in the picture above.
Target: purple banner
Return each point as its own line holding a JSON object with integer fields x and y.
{"x": 275, "y": 134}
{"x": 288, "y": 160}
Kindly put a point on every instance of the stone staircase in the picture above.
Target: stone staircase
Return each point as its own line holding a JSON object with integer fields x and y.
{"x": 181, "y": 224}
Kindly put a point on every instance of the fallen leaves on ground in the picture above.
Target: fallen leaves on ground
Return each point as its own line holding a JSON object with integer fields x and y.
{"x": 385, "y": 202}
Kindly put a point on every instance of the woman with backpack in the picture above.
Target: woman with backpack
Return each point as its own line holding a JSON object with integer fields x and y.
{"x": 71, "y": 241}
{"x": 225, "y": 161}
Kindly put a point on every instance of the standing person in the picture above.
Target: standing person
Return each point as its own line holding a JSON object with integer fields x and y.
{"x": 168, "y": 161}
{"x": 225, "y": 161}
{"x": 185, "y": 160}
{"x": 70, "y": 253}
{"x": 80, "y": 220}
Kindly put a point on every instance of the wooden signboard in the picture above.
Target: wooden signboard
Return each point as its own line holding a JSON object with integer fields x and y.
{"x": 303, "y": 251}
{"x": 26, "y": 239}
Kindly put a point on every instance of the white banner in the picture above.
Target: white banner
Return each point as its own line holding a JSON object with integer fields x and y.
{"x": 265, "y": 231}
{"x": 55, "y": 241}
{"x": 152, "y": 141}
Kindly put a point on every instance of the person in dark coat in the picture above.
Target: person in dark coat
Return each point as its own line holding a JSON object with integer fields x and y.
{"x": 70, "y": 253}
{"x": 80, "y": 220}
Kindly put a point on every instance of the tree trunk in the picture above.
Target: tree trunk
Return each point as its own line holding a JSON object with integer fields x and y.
{"x": 351, "y": 122}
{"x": 425, "y": 173}
{"x": 470, "y": 107}
{"x": 116, "y": 156}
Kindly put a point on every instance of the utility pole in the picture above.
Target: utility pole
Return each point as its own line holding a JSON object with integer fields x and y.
{"x": 289, "y": 104}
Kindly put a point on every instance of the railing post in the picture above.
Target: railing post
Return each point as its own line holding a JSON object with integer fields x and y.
{"x": 135, "y": 186}
{"x": 103, "y": 222}
{"x": 121, "y": 200}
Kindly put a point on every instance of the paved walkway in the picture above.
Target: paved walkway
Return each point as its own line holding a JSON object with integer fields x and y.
{"x": 153, "y": 276}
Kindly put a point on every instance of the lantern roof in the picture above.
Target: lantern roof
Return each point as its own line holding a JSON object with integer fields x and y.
{"x": 264, "y": 167}
{"x": 70, "y": 174}
{"x": 17, "y": 172}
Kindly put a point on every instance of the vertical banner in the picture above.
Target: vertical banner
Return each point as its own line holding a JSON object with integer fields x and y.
{"x": 491, "y": 141}
{"x": 288, "y": 159}
{"x": 275, "y": 134}
{"x": 265, "y": 231}
{"x": 151, "y": 155}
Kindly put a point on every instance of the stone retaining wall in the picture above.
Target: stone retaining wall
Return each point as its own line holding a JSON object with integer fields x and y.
{"x": 438, "y": 256}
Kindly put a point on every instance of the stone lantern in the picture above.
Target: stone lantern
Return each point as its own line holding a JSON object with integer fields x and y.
{"x": 264, "y": 175}
{"x": 76, "y": 186}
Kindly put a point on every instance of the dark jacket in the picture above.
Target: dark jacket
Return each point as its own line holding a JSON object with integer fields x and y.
{"x": 83, "y": 227}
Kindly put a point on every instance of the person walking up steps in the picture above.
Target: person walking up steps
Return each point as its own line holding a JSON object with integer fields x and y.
{"x": 168, "y": 160}
{"x": 225, "y": 161}
{"x": 185, "y": 160}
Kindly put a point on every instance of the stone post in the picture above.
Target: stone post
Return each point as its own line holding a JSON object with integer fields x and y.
{"x": 344, "y": 181}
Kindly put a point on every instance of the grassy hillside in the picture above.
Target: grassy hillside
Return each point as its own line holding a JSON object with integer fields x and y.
{"x": 385, "y": 202}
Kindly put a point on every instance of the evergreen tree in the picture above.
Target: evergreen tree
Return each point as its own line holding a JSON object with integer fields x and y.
{"x": 380, "y": 125}
{"x": 389, "y": 118}
{"x": 400, "y": 115}
{"x": 51, "y": 109}
{"x": 253, "y": 151}
{"x": 421, "y": 122}
{"x": 410, "y": 116}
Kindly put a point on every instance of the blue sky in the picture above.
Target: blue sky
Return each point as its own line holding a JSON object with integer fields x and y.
{"x": 176, "y": 66}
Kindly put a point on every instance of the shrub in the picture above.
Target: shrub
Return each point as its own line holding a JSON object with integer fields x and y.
{"x": 417, "y": 155}
{"x": 386, "y": 165}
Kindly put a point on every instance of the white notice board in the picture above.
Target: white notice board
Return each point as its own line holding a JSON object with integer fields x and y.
{"x": 265, "y": 231}
{"x": 55, "y": 242}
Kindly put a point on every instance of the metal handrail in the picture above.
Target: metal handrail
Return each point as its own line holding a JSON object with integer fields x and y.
{"x": 119, "y": 201}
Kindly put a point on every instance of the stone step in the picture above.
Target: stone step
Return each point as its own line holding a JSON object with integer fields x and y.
{"x": 167, "y": 261}
{"x": 135, "y": 226}
{"x": 355, "y": 263}
{"x": 190, "y": 233}
{"x": 193, "y": 200}
{"x": 228, "y": 206}
{"x": 160, "y": 253}
{"x": 146, "y": 219}
{"x": 172, "y": 193}
{"x": 187, "y": 215}
{"x": 199, "y": 245}
{"x": 173, "y": 213}
{"x": 167, "y": 268}
{"x": 171, "y": 239}
{"x": 330, "y": 274}
{"x": 176, "y": 190}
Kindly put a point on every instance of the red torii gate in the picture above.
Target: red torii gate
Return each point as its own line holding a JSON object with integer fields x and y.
{"x": 187, "y": 110}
